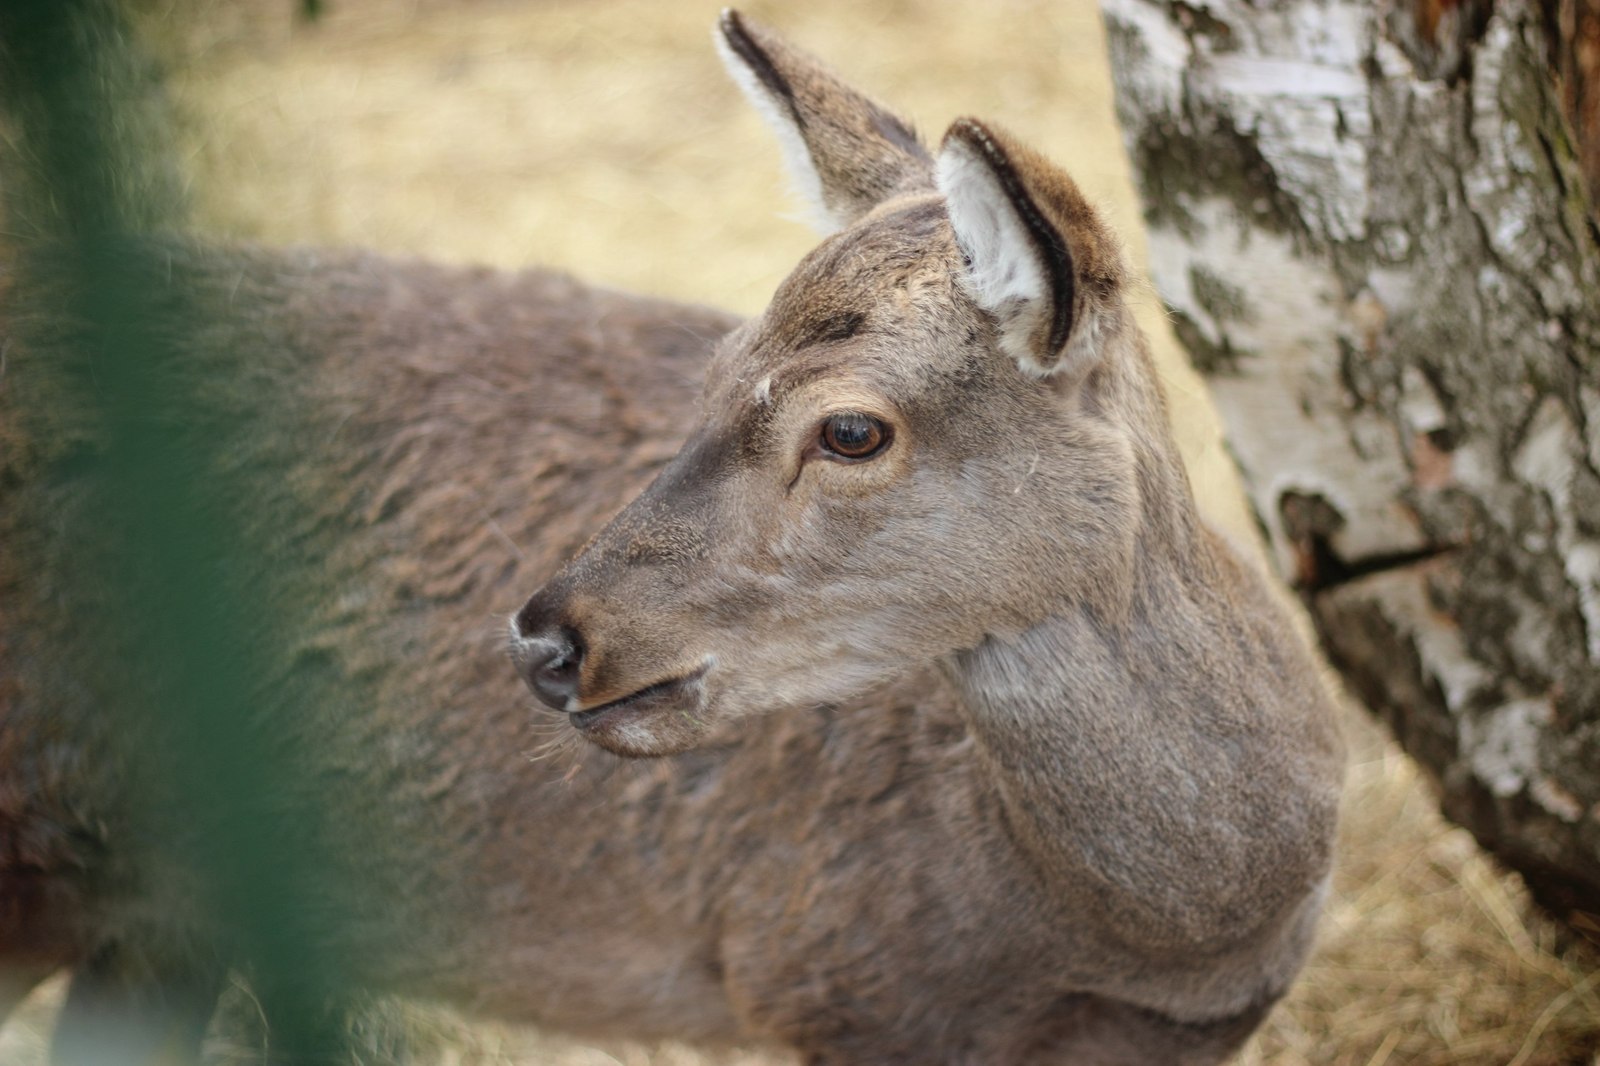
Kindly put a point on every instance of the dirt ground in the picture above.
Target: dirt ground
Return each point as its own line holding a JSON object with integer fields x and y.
{"x": 603, "y": 137}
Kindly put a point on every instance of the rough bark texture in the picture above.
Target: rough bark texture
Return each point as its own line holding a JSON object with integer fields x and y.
{"x": 1373, "y": 226}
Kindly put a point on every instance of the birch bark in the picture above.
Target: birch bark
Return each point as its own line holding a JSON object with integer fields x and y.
{"x": 1374, "y": 228}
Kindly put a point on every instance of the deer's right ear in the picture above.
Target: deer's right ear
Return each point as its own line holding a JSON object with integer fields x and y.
{"x": 1037, "y": 257}
{"x": 845, "y": 153}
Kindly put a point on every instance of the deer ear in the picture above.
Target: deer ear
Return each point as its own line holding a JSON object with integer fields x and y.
{"x": 845, "y": 153}
{"x": 1037, "y": 257}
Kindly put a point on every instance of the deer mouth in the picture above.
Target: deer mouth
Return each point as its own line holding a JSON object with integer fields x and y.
{"x": 663, "y": 695}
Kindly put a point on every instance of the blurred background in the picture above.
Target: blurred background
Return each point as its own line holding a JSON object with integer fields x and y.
{"x": 602, "y": 137}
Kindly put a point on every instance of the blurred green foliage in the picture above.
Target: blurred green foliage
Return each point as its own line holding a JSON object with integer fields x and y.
{"x": 177, "y": 623}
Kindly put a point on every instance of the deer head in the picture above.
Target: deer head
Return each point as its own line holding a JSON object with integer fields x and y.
{"x": 930, "y": 436}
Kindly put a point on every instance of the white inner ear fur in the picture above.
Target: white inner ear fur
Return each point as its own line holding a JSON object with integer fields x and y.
{"x": 796, "y": 156}
{"x": 1005, "y": 276}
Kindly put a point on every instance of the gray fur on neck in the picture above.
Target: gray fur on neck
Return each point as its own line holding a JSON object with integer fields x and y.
{"x": 1148, "y": 777}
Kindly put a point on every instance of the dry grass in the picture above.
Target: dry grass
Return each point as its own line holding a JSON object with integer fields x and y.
{"x": 603, "y": 137}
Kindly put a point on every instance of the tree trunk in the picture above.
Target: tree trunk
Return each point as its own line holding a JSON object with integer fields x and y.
{"x": 1373, "y": 226}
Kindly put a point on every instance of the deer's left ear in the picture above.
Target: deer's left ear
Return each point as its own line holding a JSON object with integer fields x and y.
{"x": 1038, "y": 258}
{"x": 846, "y": 152}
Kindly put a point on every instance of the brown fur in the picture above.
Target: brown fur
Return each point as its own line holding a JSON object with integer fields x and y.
{"x": 996, "y": 753}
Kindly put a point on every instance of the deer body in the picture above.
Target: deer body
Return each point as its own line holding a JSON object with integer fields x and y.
{"x": 983, "y": 748}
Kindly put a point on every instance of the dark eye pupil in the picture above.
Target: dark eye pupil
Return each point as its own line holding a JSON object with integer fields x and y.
{"x": 853, "y": 436}
{"x": 852, "y": 432}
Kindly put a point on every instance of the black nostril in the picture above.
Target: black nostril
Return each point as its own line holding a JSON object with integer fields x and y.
{"x": 550, "y": 664}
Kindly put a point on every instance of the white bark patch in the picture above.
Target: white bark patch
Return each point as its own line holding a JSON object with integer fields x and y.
{"x": 1555, "y": 799}
{"x": 1591, "y": 414}
{"x": 1292, "y": 81}
{"x": 1419, "y": 404}
{"x": 1504, "y": 745}
{"x": 1157, "y": 83}
{"x": 1288, "y": 423}
{"x": 1403, "y": 597}
{"x": 1548, "y": 459}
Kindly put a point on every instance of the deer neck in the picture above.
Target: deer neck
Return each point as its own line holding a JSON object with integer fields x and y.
{"x": 1119, "y": 741}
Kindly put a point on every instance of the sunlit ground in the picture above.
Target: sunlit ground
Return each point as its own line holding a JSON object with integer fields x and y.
{"x": 604, "y": 138}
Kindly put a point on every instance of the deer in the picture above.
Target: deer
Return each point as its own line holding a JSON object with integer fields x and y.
{"x": 908, "y": 713}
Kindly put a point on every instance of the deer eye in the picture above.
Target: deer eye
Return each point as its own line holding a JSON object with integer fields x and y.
{"x": 854, "y": 436}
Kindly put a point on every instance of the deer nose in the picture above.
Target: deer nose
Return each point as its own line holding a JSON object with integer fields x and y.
{"x": 550, "y": 663}
{"x": 548, "y": 656}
